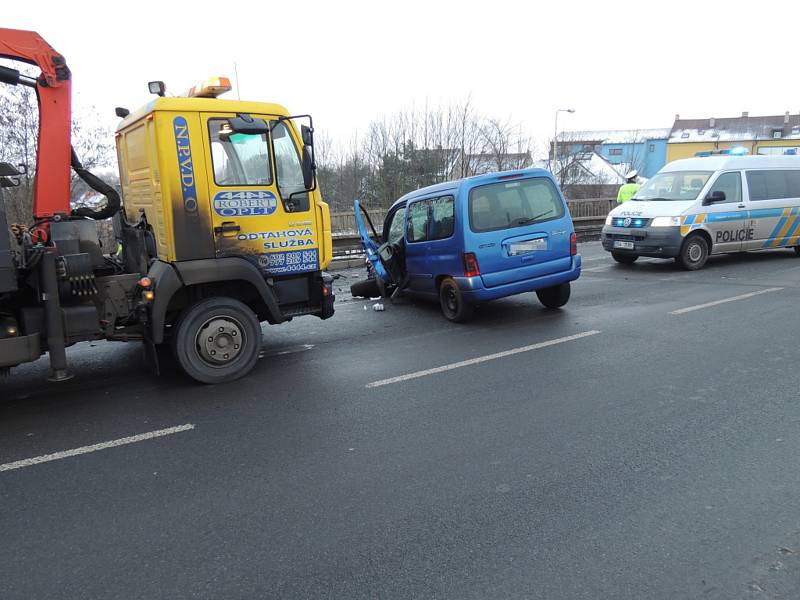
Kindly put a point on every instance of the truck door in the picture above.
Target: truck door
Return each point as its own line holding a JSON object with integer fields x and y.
{"x": 256, "y": 214}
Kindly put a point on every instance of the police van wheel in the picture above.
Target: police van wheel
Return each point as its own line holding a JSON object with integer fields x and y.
{"x": 217, "y": 340}
{"x": 454, "y": 307}
{"x": 625, "y": 259}
{"x": 694, "y": 253}
{"x": 555, "y": 296}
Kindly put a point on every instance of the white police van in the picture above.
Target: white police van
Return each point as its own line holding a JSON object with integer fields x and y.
{"x": 700, "y": 206}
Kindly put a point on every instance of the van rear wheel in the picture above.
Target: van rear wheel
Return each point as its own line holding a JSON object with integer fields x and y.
{"x": 217, "y": 340}
{"x": 625, "y": 259}
{"x": 454, "y": 307}
{"x": 694, "y": 253}
{"x": 555, "y": 296}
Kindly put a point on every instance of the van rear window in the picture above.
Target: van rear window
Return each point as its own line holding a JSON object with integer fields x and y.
{"x": 513, "y": 203}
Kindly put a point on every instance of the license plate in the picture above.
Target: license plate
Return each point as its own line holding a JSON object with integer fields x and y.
{"x": 529, "y": 246}
{"x": 621, "y": 244}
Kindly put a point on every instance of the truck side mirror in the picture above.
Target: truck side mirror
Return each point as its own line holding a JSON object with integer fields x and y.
{"x": 307, "y": 134}
{"x": 308, "y": 168}
{"x": 715, "y": 196}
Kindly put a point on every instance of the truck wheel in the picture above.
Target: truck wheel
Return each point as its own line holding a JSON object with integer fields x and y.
{"x": 694, "y": 253}
{"x": 217, "y": 340}
{"x": 797, "y": 250}
{"x": 555, "y": 296}
{"x": 625, "y": 259}
{"x": 454, "y": 307}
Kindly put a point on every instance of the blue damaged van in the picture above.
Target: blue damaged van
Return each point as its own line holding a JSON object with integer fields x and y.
{"x": 474, "y": 240}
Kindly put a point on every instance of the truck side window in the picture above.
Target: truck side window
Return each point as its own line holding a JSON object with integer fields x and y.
{"x": 289, "y": 169}
{"x": 442, "y": 217}
{"x": 238, "y": 159}
{"x": 417, "y": 229}
{"x": 731, "y": 184}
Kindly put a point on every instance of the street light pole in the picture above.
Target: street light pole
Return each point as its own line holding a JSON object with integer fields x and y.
{"x": 555, "y": 138}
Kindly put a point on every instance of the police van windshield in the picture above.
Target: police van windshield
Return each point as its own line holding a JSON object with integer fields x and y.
{"x": 677, "y": 185}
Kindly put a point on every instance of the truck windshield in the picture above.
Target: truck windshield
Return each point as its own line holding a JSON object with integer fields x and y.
{"x": 677, "y": 185}
{"x": 287, "y": 161}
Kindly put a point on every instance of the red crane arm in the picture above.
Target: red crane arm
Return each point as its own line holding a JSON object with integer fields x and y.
{"x": 53, "y": 90}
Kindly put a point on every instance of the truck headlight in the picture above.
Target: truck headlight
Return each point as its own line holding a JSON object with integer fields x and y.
{"x": 608, "y": 219}
{"x": 665, "y": 222}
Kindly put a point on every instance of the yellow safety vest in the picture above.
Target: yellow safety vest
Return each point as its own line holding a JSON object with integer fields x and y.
{"x": 627, "y": 191}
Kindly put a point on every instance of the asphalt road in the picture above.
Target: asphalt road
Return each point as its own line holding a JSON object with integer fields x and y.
{"x": 653, "y": 456}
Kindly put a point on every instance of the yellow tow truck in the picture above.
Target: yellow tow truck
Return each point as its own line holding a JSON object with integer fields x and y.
{"x": 221, "y": 226}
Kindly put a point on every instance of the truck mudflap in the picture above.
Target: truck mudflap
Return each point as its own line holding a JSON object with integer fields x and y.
{"x": 20, "y": 349}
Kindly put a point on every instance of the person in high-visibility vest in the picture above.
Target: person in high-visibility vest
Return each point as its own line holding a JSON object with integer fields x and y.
{"x": 630, "y": 187}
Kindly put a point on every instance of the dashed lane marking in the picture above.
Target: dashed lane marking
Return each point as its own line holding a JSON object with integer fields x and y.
{"x": 480, "y": 359}
{"x": 681, "y": 311}
{"x": 37, "y": 460}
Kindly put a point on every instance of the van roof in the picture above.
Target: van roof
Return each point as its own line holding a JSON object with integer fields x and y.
{"x": 454, "y": 186}
{"x": 722, "y": 162}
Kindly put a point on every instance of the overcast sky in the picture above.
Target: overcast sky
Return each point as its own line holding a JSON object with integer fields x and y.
{"x": 619, "y": 64}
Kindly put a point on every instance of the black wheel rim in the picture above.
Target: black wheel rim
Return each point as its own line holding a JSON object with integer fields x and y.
{"x": 451, "y": 300}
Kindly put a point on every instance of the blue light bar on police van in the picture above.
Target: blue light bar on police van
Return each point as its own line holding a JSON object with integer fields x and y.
{"x": 735, "y": 151}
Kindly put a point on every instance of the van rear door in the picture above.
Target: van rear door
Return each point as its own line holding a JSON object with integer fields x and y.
{"x": 519, "y": 228}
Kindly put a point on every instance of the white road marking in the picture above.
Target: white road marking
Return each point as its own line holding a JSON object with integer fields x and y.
{"x": 29, "y": 462}
{"x": 480, "y": 359}
{"x": 723, "y": 301}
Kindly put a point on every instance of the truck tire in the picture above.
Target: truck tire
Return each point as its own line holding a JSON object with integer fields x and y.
{"x": 217, "y": 340}
{"x": 694, "y": 253}
{"x": 555, "y": 296}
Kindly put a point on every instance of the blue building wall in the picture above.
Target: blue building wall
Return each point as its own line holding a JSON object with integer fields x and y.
{"x": 648, "y": 161}
{"x": 648, "y": 155}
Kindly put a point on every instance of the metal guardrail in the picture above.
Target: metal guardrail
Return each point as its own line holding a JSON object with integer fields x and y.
{"x": 588, "y": 216}
{"x": 343, "y": 224}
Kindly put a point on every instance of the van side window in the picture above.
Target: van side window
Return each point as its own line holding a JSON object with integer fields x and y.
{"x": 442, "y": 217}
{"x": 396, "y": 228}
{"x": 417, "y": 228}
{"x": 731, "y": 184}
{"x": 773, "y": 185}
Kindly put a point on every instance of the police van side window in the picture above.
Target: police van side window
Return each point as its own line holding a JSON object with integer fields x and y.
{"x": 773, "y": 185}
{"x": 238, "y": 159}
{"x": 730, "y": 184}
{"x": 442, "y": 217}
{"x": 417, "y": 224}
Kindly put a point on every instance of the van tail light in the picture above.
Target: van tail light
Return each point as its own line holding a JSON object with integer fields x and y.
{"x": 471, "y": 268}
{"x": 573, "y": 244}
